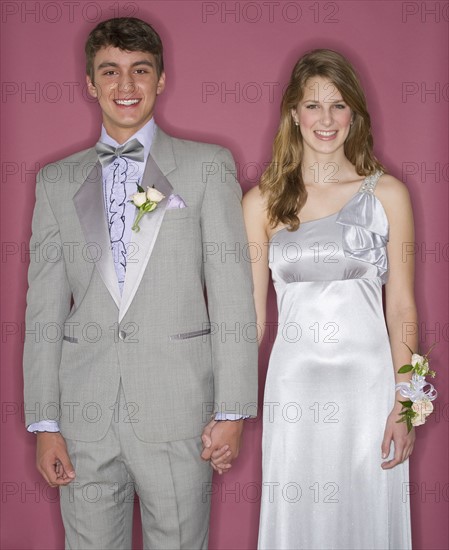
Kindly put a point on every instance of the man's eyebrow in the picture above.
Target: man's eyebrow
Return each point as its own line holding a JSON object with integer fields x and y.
{"x": 113, "y": 64}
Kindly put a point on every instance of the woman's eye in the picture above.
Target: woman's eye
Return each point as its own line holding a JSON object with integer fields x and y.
{"x": 340, "y": 106}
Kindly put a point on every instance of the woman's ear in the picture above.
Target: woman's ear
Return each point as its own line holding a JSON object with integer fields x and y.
{"x": 295, "y": 117}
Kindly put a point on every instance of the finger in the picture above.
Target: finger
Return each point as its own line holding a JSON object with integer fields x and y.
{"x": 217, "y": 468}
{"x": 48, "y": 471}
{"x": 404, "y": 453}
{"x": 390, "y": 464}
{"x": 59, "y": 470}
{"x": 402, "y": 445}
{"x": 220, "y": 471}
{"x": 386, "y": 445}
{"x": 206, "y": 439}
{"x": 208, "y": 429}
{"x": 407, "y": 451}
{"x": 395, "y": 461}
{"x": 220, "y": 452}
{"x": 206, "y": 454}
{"x": 222, "y": 459}
{"x": 67, "y": 465}
{"x": 223, "y": 467}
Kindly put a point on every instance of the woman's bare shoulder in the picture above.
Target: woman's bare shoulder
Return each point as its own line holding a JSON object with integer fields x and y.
{"x": 392, "y": 193}
{"x": 391, "y": 189}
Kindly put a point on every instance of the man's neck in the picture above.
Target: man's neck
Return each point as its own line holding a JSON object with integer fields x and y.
{"x": 121, "y": 135}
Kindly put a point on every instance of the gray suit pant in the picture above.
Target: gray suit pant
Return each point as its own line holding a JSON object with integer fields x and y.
{"x": 171, "y": 480}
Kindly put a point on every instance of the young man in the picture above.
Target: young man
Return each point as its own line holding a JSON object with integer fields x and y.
{"x": 119, "y": 403}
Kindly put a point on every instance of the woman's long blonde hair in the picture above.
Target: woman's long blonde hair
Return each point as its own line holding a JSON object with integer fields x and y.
{"x": 282, "y": 182}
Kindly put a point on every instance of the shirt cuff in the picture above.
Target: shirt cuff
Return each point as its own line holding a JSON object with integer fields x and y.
{"x": 230, "y": 416}
{"x": 44, "y": 426}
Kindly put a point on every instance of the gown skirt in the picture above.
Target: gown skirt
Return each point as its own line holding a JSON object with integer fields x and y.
{"x": 330, "y": 388}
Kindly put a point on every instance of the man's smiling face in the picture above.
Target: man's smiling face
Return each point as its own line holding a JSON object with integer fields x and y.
{"x": 126, "y": 85}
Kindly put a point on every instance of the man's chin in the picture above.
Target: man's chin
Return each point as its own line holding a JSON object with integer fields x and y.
{"x": 116, "y": 126}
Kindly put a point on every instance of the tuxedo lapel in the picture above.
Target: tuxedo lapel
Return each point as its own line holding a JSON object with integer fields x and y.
{"x": 160, "y": 162}
{"x": 89, "y": 205}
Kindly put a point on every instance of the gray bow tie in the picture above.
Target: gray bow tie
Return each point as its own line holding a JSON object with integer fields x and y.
{"x": 132, "y": 150}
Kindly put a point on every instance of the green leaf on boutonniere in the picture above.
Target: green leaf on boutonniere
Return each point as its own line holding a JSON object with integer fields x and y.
{"x": 405, "y": 368}
{"x": 406, "y": 403}
{"x": 140, "y": 189}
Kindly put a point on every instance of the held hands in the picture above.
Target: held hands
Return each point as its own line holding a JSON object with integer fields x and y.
{"x": 403, "y": 441}
{"x": 52, "y": 459}
{"x": 221, "y": 443}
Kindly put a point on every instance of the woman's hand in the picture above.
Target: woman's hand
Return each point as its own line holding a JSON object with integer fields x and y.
{"x": 403, "y": 441}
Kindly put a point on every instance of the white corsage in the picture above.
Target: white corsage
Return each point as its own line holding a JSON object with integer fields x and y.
{"x": 418, "y": 391}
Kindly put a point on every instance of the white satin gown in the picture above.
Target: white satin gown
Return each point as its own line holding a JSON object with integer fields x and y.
{"x": 329, "y": 389}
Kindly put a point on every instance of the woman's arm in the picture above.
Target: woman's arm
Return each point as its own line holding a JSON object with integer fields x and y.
{"x": 255, "y": 217}
{"x": 401, "y": 314}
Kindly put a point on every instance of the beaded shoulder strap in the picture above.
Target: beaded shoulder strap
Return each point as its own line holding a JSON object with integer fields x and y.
{"x": 370, "y": 182}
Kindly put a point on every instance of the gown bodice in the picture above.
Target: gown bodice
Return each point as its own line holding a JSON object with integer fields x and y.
{"x": 349, "y": 244}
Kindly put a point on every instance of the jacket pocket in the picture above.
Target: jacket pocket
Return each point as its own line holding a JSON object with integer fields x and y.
{"x": 70, "y": 339}
{"x": 187, "y": 335}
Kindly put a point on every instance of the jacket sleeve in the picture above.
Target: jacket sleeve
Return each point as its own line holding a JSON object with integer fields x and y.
{"x": 48, "y": 305}
{"x": 228, "y": 279}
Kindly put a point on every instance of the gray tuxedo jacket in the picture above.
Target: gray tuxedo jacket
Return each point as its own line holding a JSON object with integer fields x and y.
{"x": 182, "y": 335}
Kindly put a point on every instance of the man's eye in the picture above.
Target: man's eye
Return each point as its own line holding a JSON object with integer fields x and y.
{"x": 109, "y": 73}
{"x": 141, "y": 71}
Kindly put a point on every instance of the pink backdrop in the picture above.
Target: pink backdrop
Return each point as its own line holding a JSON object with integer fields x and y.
{"x": 227, "y": 63}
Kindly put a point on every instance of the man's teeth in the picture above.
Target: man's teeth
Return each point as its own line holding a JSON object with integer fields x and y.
{"x": 326, "y": 134}
{"x": 126, "y": 101}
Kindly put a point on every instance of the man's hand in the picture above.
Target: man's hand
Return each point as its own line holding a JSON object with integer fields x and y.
{"x": 221, "y": 443}
{"x": 52, "y": 459}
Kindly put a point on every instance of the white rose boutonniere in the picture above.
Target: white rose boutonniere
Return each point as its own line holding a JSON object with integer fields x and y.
{"x": 154, "y": 195}
{"x": 139, "y": 199}
{"x": 145, "y": 202}
{"x": 418, "y": 391}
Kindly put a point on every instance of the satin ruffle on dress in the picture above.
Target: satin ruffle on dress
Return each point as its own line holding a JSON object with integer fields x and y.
{"x": 329, "y": 389}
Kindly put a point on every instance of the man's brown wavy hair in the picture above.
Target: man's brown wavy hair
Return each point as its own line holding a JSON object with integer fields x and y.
{"x": 128, "y": 34}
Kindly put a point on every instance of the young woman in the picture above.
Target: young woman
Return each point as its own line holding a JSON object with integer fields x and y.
{"x": 330, "y": 225}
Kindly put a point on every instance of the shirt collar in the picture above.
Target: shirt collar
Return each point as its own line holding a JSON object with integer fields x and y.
{"x": 145, "y": 135}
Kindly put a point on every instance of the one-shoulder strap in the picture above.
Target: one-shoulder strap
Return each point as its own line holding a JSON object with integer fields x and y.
{"x": 370, "y": 182}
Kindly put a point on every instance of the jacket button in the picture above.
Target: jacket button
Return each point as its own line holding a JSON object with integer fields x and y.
{"x": 122, "y": 334}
